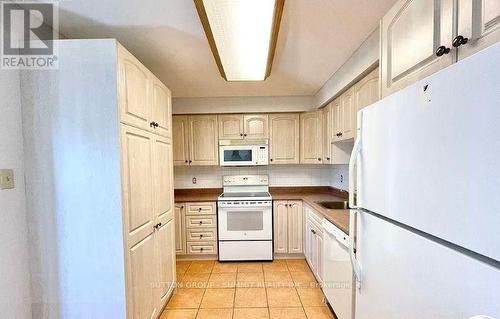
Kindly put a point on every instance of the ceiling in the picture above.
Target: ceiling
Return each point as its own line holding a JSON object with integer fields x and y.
{"x": 315, "y": 39}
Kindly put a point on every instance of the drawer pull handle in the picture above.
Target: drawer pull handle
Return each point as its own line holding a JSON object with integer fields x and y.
{"x": 201, "y": 222}
{"x": 201, "y": 249}
{"x": 201, "y": 236}
{"x": 199, "y": 209}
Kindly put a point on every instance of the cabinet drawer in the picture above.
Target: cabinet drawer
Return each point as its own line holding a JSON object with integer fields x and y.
{"x": 201, "y": 234}
{"x": 200, "y": 208}
{"x": 200, "y": 221}
{"x": 201, "y": 248}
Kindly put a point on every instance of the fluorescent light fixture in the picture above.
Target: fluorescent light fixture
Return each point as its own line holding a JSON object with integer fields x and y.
{"x": 242, "y": 35}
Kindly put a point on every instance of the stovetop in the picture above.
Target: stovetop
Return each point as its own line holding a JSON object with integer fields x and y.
{"x": 245, "y": 196}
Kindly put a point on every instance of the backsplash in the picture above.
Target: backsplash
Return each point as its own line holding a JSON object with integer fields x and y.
{"x": 287, "y": 175}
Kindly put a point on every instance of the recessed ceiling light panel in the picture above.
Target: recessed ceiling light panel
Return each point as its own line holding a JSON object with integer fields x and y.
{"x": 242, "y": 35}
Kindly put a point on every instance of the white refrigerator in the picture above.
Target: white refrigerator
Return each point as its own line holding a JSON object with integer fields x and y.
{"x": 426, "y": 172}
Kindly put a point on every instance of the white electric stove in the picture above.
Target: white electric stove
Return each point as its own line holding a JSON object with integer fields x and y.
{"x": 245, "y": 219}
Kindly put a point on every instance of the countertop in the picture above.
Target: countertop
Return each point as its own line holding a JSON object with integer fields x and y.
{"x": 309, "y": 195}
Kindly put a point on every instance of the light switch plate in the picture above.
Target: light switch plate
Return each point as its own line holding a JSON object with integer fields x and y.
{"x": 6, "y": 178}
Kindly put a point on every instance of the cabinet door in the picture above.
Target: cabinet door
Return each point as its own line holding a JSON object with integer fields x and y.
{"x": 163, "y": 179}
{"x": 231, "y": 126}
{"x": 327, "y": 128}
{"x": 319, "y": 257}
{"x": 479, "y": 21}
{"x": 309, "y": 247}
{"x": 280, "y": 227}
{"x": 137, "y": 179}
{"x": 311, "y": 142}
{"x": 284, "y": 146}
{"x": 366, "y": 91}
{"x": 142, "y": 274}
{"x": 411, "y": 32}
{"x": 180, "y": 128}
{"x": 203, "y": 140}
{"x": 295, "y": 222}
{"x": 162, "y": 108}
{"x": 255, "y": 126}
{"x": 165, "y": 257}
{"x": 133, "y": 90}
{"x": 180, "y": 229}
{"x": 338, "y": 124}
{"x": 348, "y": 114}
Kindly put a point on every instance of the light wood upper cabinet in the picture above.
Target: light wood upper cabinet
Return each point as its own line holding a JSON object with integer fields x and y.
{"x": 284, "y": 146}
{"x": 195, "y": 140}
{"x": 180, "y": 229}
{"x": 479, "y": 22}
{"x": 280, "y": 227}
{"x": 311, "y": 138}
{"x": 134, "y": 91}
{"x": 144, "y": 101}
{"x": 255, "y": 126}
{"x": 162, "y": 108}
{"x": 327, "y": 129}
{"x": 180, "y": 128}
{"x": 411, "y": 32}
{"x": 366, "y": 91}
{"x": 240, "y": 126}
{"x": 231, "y": 126}
{"x": 349, "y": 114}
{"x": 344, "y": 116}
{"x": 203, "y": 140}
{"x": 295, "y": 227}
{"x": 337, "y": 119}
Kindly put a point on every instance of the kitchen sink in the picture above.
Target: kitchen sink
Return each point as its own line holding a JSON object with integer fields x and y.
{"x": 335, "y": 205}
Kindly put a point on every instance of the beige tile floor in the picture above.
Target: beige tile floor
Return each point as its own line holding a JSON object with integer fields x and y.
{"x": 282, "y": 289}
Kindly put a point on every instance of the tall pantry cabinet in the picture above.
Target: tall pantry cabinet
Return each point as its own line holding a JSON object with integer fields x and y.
{"x": 107, "y": 123}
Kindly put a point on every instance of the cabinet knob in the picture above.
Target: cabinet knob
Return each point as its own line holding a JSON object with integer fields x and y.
{"x": 152, "y": 124}
{"x": 201, "y": 222}
{"x": 244, "y": 135}
{"x": 156, "y": 124}
{"x": 313, "y": 231}
{"x": 327, "y": 158}
{"x": 201, "y": 236}
{"x": 190, "y": 161}
{"x": 201, "y": 249}
{"x": 319, "y": 158}
{"x": 442, "y": 50}
{"x": 186, "y": 161}
{"x": 182, "y": 206}
{"x": 459, "y": 40}
{"x": 199, "y": 209}
{"x": 271, "y": 159}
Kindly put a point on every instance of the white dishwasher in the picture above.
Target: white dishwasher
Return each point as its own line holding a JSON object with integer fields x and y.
{"x": 337, "y": 271}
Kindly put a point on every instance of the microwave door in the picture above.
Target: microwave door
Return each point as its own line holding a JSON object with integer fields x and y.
{"x": 237, "y": 156}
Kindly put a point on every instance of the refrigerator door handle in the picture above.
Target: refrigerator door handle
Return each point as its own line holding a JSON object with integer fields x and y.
{"x": 355, "y": 264}
{"x": 352, "y": 162}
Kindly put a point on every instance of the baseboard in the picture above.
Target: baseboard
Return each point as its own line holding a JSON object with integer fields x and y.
{"x": 289, "y": 256}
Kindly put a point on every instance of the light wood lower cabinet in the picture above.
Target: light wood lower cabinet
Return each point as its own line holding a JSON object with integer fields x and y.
{"x": 314, "y": 242}
{"x": 288, "y": 227}
{"x": 196, "y": 232}
{"x": 284, "y": 138}
{"x": 180, "y": 226}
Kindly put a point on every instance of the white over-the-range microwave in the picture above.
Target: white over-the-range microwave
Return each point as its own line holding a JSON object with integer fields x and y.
{"x": 243, "y": 152}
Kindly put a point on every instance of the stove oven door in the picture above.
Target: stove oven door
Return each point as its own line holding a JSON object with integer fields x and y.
{"x": 245, "y": 222}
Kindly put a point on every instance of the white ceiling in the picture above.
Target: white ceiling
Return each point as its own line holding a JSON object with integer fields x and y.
{"x": 315, "y": 39}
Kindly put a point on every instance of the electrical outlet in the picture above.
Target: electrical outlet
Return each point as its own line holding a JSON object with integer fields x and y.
{"x": 6, "y": 179}
{"x": 194, "y": 180}
{"x": 341, "y": 178}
